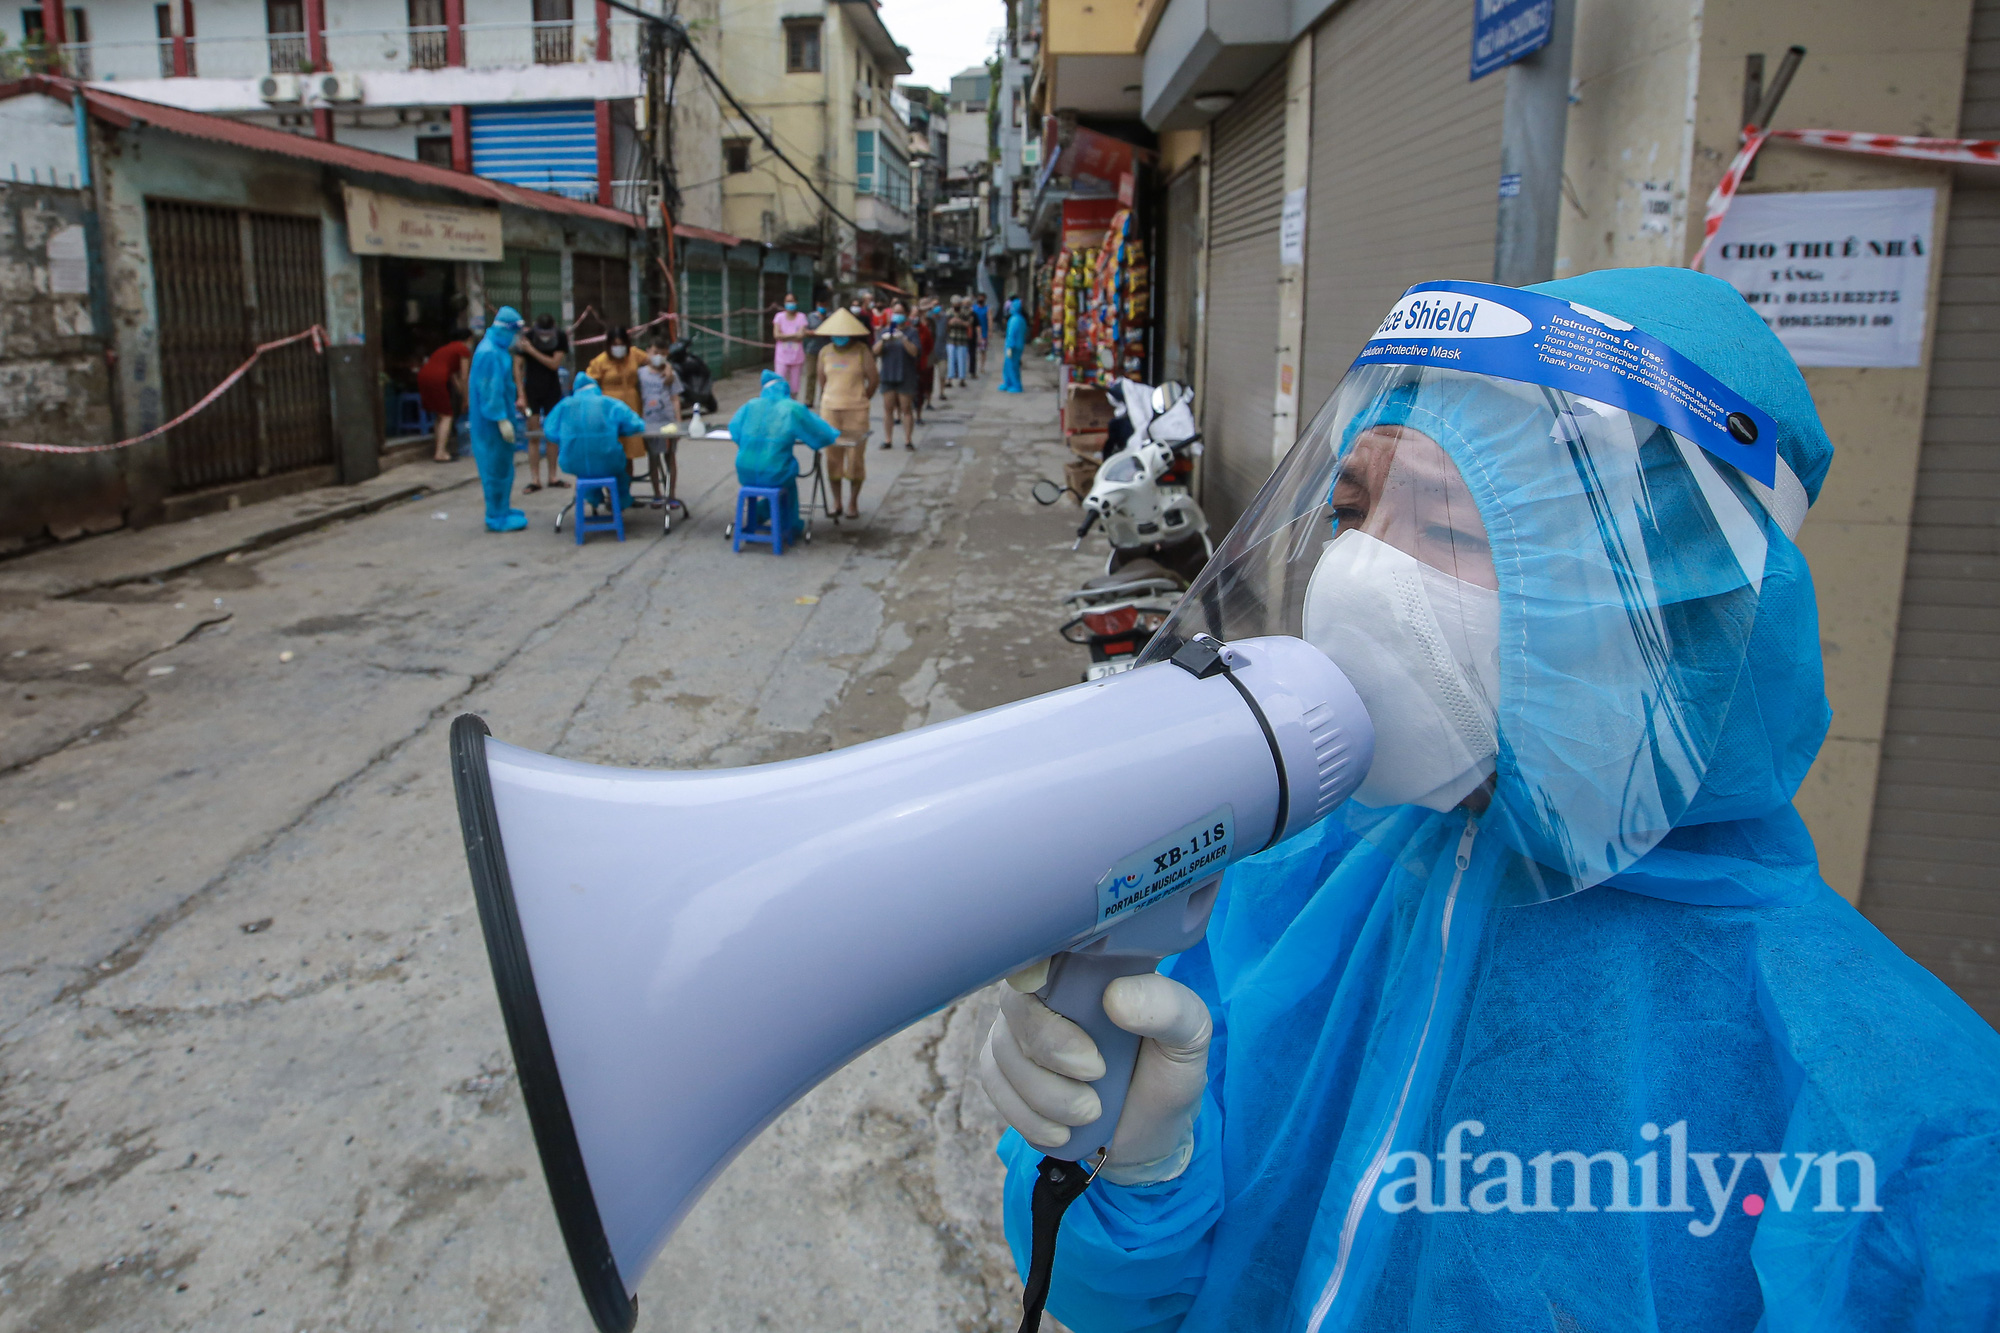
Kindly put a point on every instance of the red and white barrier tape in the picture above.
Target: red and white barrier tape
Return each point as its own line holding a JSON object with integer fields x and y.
{"x": 636, "y": 328}
{"x": 726, "y": 337}
{"x": 1911, "y": 147}
{"x": 319, "y": 340}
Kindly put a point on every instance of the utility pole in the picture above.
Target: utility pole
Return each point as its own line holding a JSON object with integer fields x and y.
{"x": 1533, "y": 127}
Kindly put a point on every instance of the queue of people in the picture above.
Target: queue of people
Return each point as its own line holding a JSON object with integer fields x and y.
{"x": 908, "y": 353}
{"x": 511, "y": 389}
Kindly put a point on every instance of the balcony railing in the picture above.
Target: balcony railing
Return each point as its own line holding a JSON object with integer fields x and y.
{"x": 487, "y": 46}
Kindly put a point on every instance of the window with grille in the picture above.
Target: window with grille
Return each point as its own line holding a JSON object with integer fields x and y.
{"x": 802, "y": 46}
{"x": 76, "y": 39}
{"x": 555, "y": 29}
{"x": 163, "y": 24}
{"x": 434, "y": 149}
{"x": 285, "y": 21}
{"x": 736, "y": 156}
{"x": 429, "y": 47}
{"x": 892, "y": 180}
{"x": 864, "y": 161}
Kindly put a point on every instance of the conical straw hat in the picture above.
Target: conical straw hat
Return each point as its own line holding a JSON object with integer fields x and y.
{"x": 841, "y": 324}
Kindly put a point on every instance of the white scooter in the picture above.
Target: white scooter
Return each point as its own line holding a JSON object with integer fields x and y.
{"x": 1141, "y": 493}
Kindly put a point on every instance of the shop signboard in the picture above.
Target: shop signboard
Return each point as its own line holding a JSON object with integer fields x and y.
{"x": 1084, "y": 222}
{"x": 386, "y": 224}
{"x": 1841, "y": 276}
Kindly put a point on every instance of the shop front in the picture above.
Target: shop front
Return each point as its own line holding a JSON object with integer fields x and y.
{"x": 317, "y": 274}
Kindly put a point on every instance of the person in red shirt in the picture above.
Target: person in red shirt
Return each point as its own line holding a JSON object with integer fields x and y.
{"x": 441, "y": 387}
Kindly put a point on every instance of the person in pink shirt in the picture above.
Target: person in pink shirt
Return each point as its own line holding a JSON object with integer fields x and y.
{"x": 788, "y": 331}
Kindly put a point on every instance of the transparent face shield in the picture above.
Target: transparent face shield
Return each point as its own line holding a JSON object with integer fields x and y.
{"x": 1543, "y": 600}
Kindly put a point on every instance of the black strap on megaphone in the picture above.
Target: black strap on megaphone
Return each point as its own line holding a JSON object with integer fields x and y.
{"x": 1058, "y": 1184}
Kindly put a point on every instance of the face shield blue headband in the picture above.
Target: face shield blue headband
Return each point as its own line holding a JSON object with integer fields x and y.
{"x": 1534, "y": 538}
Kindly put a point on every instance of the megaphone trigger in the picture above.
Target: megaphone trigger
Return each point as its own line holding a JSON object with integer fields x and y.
{"x": 1075, "y": 989}
{"x": 915, "y": 870}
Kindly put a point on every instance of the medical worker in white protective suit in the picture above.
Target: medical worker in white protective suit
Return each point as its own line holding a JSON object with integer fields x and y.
{"x": 1554, "y": 1025}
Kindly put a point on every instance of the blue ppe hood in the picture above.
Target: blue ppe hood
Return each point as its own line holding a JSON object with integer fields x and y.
{"x": 767, "y": 427}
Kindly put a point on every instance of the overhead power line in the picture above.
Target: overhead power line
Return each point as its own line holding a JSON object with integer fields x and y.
{"x": 678, "y": 33}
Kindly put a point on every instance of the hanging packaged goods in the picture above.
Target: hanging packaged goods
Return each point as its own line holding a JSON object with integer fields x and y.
{"x": 1098, "y": 296}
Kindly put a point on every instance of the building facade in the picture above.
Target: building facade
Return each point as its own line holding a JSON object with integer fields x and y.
{"x": 539, "y": 93}
{"x": 818, "y": 76}
{"x": 175, "y": 243}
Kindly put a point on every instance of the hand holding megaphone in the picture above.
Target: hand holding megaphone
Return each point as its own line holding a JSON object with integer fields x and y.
{"x": 1038, "y": 1067}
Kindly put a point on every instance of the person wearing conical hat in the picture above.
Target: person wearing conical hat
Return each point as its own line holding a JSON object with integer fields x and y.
{"x": 848, "y": 378}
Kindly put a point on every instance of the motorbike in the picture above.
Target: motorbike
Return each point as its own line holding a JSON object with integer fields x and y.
{"x": 1116, "y": 614}
{"x": 1141, "y": 495}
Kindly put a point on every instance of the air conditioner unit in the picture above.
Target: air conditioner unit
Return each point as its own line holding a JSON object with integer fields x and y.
{"x": 343, "y": 87}
{"x": 279, "y": 88}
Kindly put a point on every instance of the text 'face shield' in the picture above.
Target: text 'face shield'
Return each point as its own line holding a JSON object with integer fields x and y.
{"x": 1543, "y": 597}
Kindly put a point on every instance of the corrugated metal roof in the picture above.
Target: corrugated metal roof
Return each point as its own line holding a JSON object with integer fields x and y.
{"x": 123, "y": 111}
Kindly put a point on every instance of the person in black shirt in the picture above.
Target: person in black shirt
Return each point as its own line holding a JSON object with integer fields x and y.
{"x": 539, "y": 354}
{"x": 898, "y": 353}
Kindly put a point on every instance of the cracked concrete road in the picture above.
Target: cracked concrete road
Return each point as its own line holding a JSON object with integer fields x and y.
{"x": 252, "y": 1073}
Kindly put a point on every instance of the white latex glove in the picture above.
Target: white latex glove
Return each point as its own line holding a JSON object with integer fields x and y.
{"x": 1037, "y": 1067}
{"x": 507, "y": 431}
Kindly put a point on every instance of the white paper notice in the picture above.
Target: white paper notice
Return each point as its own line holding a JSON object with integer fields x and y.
{"x": 1656, "y": 208}
{"x": 1841, "y": 276}
{"x": 1292, "y": 228}
{"x": 69, "y": 263}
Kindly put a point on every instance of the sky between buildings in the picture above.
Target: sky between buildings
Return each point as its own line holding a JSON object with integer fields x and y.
{"x": 944, "y": 36}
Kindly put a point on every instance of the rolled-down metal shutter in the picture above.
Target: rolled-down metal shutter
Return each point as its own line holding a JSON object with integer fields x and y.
{"x": 225, "y": 281}
{"x": 549, "y": 146}
{"x": 1932, "y": 885}
{"x": 1405, "y": 172}
{"x": 1246, "y": 192}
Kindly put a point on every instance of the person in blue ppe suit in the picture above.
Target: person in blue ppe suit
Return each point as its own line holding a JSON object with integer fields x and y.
{"x": 586, "y": 427}
{"x": 765, "y": 430}
{"x": 1554, "y": 1024}
{"x": 494, "y": 419}
{"x": 1017, "y": 342}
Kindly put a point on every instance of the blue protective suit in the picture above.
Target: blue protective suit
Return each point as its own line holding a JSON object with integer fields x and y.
{"x": 1017, "y": 341}
{"x": 765, "y": 430}
{"x": 586, "y": 426}
{"x": 1712, "y": 1013}
{"x": 490, "y": 400}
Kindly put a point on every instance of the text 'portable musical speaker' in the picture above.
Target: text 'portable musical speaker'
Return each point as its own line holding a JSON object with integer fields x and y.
{"x": 682, "y": 955}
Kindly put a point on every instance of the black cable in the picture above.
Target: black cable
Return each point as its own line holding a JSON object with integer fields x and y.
{"x": 1058, "y": 1184}
{"x": 684, "y": 43}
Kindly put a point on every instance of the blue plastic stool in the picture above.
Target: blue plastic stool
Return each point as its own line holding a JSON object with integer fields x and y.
{"x": 411, "y": 418}
{"x": 584, "y": 522}
{"x": 773, "y": 535}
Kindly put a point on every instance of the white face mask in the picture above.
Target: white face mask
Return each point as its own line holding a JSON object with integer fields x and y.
{"x": 617, "y": 352}
{"x": 659, "y": 361}
{"x": 1422, "y": 649}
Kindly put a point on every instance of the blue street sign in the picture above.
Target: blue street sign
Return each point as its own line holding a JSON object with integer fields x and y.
{"x": 1505, "y": 30}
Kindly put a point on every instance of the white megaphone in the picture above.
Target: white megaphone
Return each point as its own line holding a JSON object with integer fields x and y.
{"x": 667, "y": 996}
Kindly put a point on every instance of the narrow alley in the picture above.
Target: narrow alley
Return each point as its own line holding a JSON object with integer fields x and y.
{"x": 251, "y": 1064}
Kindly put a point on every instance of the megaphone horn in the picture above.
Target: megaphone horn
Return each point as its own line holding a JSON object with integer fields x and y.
{"x": 682, "y": 955}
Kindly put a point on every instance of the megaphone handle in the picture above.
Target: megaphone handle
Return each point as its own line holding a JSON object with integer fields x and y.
{"x": 1075, "y": 990}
